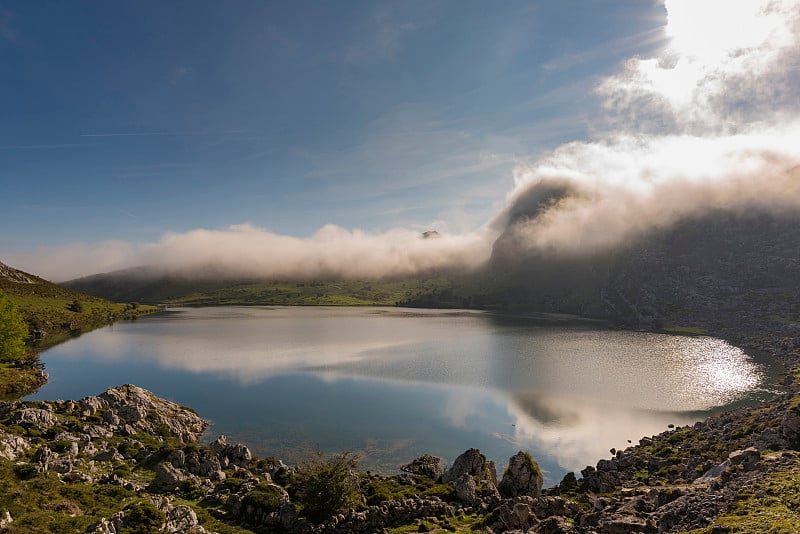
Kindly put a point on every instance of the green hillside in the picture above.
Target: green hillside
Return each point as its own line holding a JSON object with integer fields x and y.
{"x": 53, "y": 314}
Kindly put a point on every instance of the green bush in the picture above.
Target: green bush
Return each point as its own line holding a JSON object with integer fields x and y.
{"x": 142, "y": 518}
{"x": 326, "y": 487}
{"x": 13, "y": 330}
{"x": 263, "y": 498}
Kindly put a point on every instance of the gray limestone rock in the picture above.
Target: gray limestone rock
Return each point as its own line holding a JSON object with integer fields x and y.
{"x": 426, "y": 466}
{"x": 522, "y": 477}
{"x": 35, "y": 417}
{"x": 471, "y": 462}
{"x": 466, "y": 489}
{"x": 12, "y": 447}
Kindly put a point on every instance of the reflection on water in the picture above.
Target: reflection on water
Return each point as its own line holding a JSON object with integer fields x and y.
{"x": 395, "y": 383}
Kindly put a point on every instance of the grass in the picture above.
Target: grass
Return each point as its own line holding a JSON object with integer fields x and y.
{"x": 54, "y": 314}
{"x": 770, "y": 505}
{"x": 43, "y": 503}
{"x": 782, "y": 320}
{"x": 464, "y": 523}
{"x": 316, "y": 293}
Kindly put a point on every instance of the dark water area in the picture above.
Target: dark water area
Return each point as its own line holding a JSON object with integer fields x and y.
{"x": 394, "y": 383}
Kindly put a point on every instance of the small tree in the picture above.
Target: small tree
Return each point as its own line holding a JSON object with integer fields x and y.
{"x": 13, "y": 330}
{"x": 326, "y": 487}
{"x": 75, "y": 306}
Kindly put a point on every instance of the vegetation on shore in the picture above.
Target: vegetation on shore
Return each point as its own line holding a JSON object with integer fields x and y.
{"x": 36, "y": 314}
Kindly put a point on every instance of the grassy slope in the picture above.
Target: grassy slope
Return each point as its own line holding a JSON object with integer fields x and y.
{"x": 46, "y": 308}
{"x": 316, "y": 293}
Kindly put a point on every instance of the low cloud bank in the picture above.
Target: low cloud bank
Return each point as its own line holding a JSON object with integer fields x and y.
{"x": 247, "y": 251}
{"x": 590, "y": 196}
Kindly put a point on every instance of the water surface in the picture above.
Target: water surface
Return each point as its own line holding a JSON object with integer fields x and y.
{"x": 394, "y": 383}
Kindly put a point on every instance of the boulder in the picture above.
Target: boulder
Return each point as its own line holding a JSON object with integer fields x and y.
{"x": 168, "y": 477}
{"x": 35, "y": 417}
{"x": 471, "y": 462}
{"x": 91, "y": 405}
{"x": 466, "y": 489}
{"x": 12, "y": 447}
{"x": 790, "y": 425}
{"x": 426, "y": 466}
{"x": 522, "y": 477}
{"x": 748, "y": 458}
{"x": 231, "y": 454}
{"x": 142, "y": 410}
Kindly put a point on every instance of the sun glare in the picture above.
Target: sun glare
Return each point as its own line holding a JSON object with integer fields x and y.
{"x": 713, "y": 30}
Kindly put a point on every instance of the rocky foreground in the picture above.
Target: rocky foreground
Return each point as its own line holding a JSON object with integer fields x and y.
{"x": 128, "y": 461}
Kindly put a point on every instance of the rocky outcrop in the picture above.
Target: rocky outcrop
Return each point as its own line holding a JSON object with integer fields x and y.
{"x": 522, "y": 477}
{"x": 140, "y": 409}
{"x": 426, "y": 466}
{"x": 472, "y": 463}
{"x": 12, "y": 447}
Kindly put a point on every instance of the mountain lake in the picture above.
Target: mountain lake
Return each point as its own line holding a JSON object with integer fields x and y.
{"x": 393, "y": 383}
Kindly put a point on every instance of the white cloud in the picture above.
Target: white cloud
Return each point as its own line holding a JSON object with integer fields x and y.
{"x": 244, "y": 250}
{"x": 725, "y": 61}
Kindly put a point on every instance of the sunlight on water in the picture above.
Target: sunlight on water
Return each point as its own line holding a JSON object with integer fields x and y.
{"x": 394, "y": 383}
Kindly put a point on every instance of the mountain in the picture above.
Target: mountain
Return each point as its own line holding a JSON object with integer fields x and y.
{"x": 724, "y": 267}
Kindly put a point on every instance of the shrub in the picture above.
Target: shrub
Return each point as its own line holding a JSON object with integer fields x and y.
{"x": 326, "y": 487}
{"x": 142, "y": 518}
{"x": 266, "y": 498}
{"x": 13, "y": 330}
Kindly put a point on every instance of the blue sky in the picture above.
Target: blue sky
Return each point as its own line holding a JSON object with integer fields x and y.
{"x": 129, "y": 124}
{"x": 124, "y": 120}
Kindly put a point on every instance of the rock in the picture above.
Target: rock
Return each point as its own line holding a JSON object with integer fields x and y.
{"x": 168, "y": 478}
{"x": 287, "y": 515}
{"x": 511, "y": 515}
{"x": 43, "y": 456}
{"x": 466, "y": 489}
{"x": 426, "y": 466}
{"x": 623, "y": 525}
{"x": 555, "y": 525}
{"x": 142, "y": 410}
{"x": 236, "y": 454}
{"x": 109, "y": 455}
{"x": 205, "y": 465}
{"x": 91, "y": 405}
{"x": 6, "y": 520}
{"x": 180, "y": 519}
{"x": 12, "y": 447}
{"x": 522, "y": 477}
{"x": 568, "y": 483}
{"x": 35, "y": 417}
{"x": 471, "y": 462}
{"x": 747, "y": 458}
{"x": 790, "y": 425}
{"x": 62, "y": 465}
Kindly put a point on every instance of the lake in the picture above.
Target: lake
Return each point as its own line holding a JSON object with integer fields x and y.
{"x": 393, "y": 383}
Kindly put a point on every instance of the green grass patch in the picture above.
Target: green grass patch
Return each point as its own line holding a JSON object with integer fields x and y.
{"x": 781, "y": 319}
{"x": 770, "y": 505}
{"x": 317, "y": 293}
